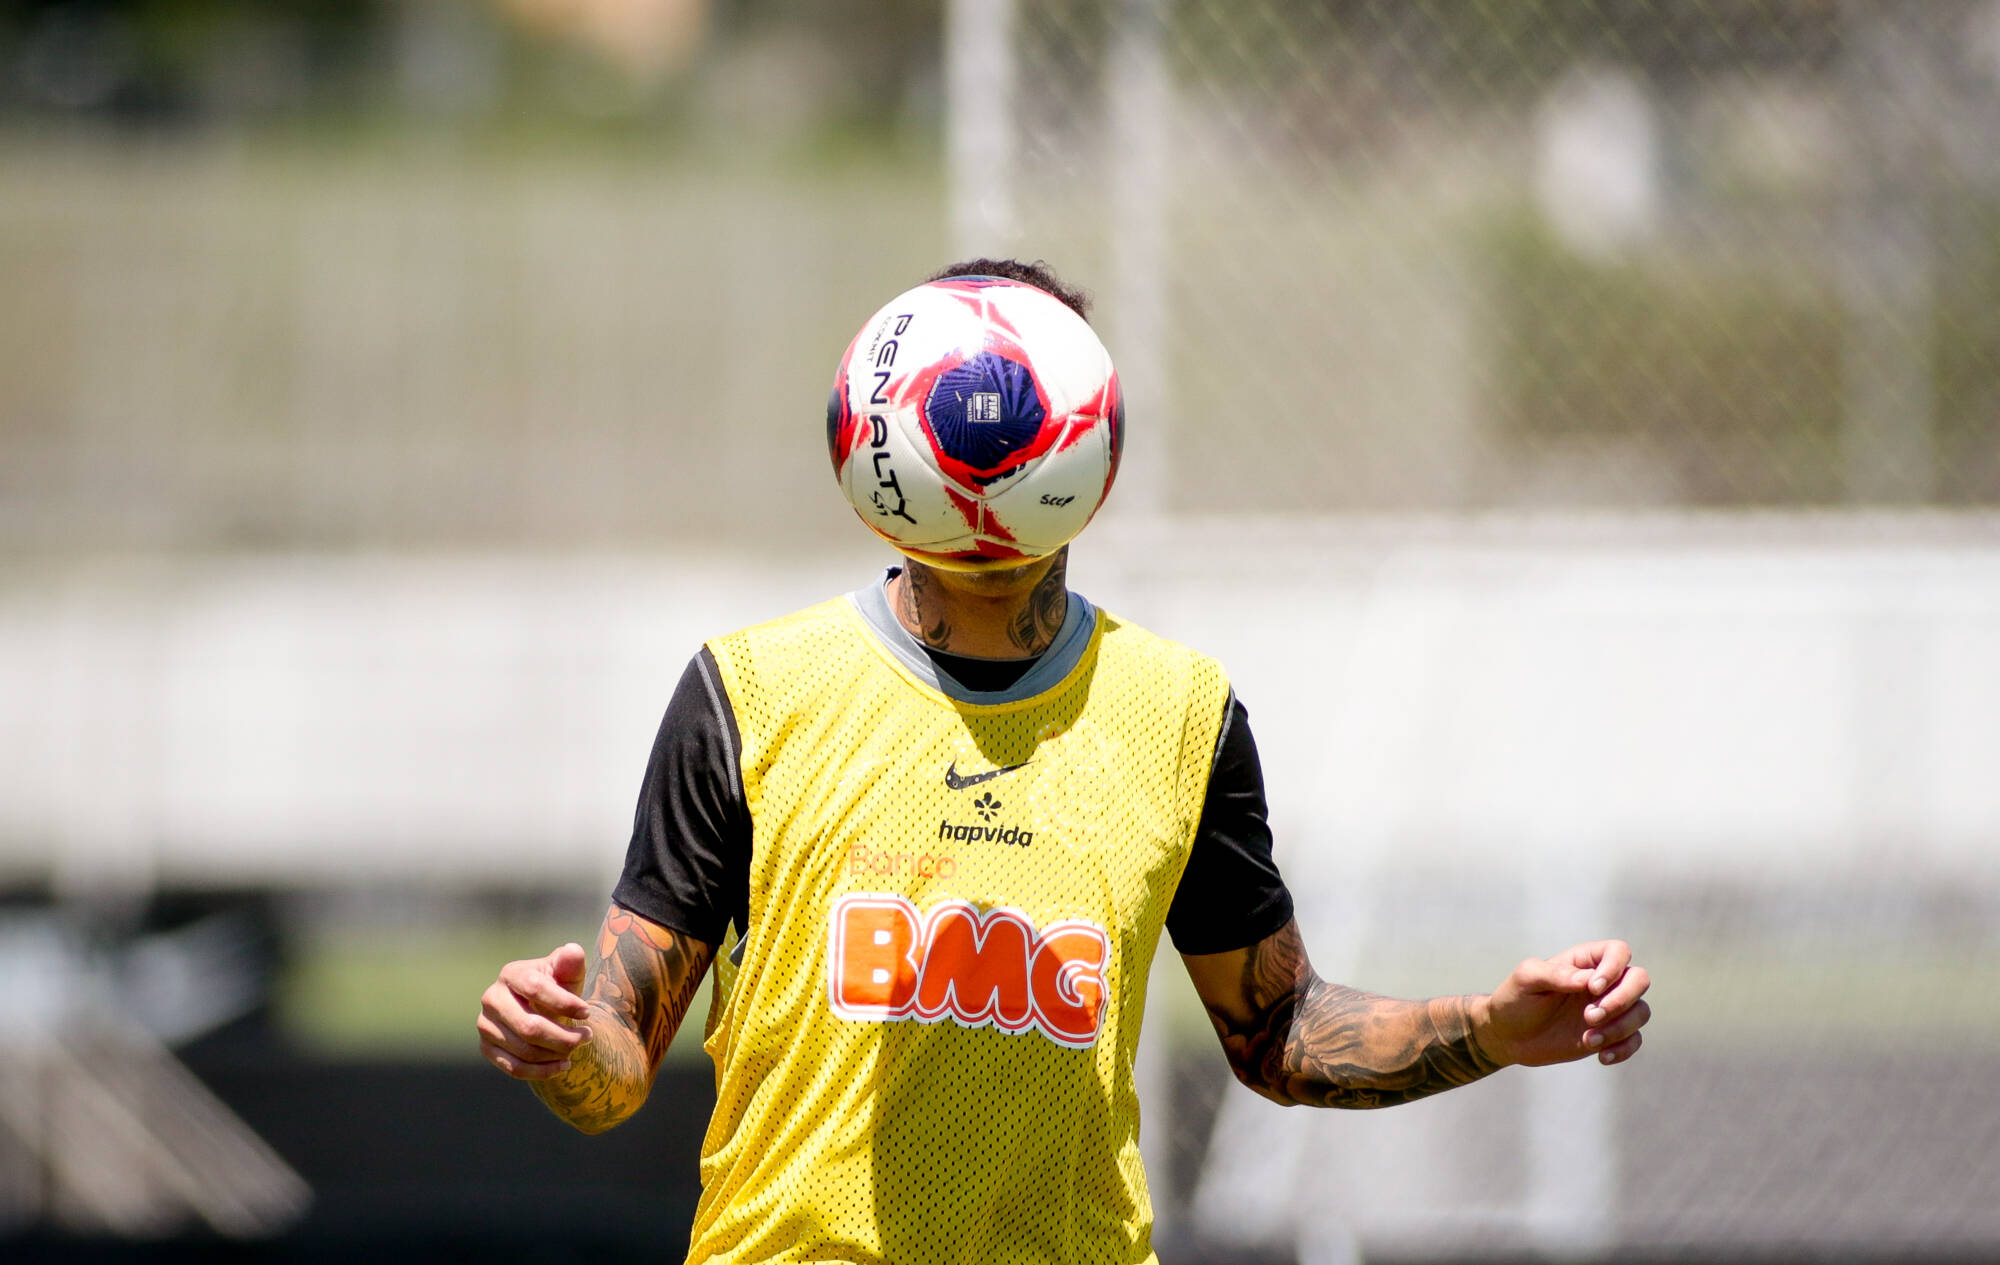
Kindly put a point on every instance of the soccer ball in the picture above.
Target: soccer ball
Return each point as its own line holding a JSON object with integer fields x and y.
{"x": 975, "y": 423}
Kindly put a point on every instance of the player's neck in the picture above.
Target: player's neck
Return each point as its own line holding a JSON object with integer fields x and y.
{"x": 1011, "y": 614}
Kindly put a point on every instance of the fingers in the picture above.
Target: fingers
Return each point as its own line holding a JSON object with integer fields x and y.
{"x": 519, "y": 1042}
{"x": 1613, "y": 957}
{"x": 525, "y": 1033}
{"x": 516, "y": 1057}
{"x": 521, "y": 1069}
{"x": 1617, "y": 1034}
{"x": 566, "y": 966}
{"x": 1622, "y": 1051}
{"x": 1629, "y": 988}
{"x": 535, "y": 983}
{"x": 523, "y": 1030}
{"x": 1598, "y": 964}
{"x": 522, "y": 1014}
{"x": 1595, "y": 967}
{"x": 1543, "y": 975}
{"x": 520, "y": 1024}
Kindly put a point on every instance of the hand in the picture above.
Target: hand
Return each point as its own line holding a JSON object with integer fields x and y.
{"x": 522, "y": 1029}
{"x": 1583, "y": 1001}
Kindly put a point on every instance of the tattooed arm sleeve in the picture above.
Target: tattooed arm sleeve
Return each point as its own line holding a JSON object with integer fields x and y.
{"x": 1295, "y": 1038}
{"x": 638, "y": 989}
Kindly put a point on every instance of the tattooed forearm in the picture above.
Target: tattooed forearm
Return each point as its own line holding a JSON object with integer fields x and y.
{"x": 638, "y": 989}
{"x": 1295, "y": 1038}
{"x": 1041, "y": 619}
{"x": 1345, "y": 1048}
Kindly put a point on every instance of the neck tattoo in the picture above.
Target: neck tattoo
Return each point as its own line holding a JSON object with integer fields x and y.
{"x": 923, "y": 607}
{"x": 1039, "y": 621}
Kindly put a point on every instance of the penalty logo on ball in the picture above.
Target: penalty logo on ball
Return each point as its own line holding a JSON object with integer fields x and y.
{"x": 975, "y": 423}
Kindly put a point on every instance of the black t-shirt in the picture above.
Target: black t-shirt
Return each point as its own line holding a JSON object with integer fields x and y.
{"x": 688, "y": 865}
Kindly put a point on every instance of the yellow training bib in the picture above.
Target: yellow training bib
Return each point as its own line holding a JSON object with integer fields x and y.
{"x": 924, "y": 1040}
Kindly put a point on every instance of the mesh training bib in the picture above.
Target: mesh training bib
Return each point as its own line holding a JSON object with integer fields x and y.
{"x": 925, "y": 1051}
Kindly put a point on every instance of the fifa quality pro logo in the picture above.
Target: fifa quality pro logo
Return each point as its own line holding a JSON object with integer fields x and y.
{"x": 887, "y": 963}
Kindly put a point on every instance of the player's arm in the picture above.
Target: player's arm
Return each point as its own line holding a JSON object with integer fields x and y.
{"x": 1295, "y": 1038}
{"x": 590, "y": 1044}
{"x": 591, "y": 1055}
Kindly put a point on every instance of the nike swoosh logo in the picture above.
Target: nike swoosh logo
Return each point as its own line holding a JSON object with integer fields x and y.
{"x": 959, "y": 782}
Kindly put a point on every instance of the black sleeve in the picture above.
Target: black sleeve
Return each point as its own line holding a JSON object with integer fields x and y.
{"x": 688, "y": 865}
{"x": 1231, "y": 894}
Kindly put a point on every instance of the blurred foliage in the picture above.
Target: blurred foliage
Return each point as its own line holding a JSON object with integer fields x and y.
{"x": 845, "y": 64}
{"x": 276, "y": 342}
{"x": 867, "y": 61}
{"x": 1732, "y": 374}
{"x": 153, "y": 61}
{"x": 1965, "y": 341}
{"x": 1729, "y": 370}
{"x": 880, "y": 46}
{"x": 1500, "y": 50}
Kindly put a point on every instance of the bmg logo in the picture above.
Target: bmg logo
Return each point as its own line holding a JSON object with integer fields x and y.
{"x": 980, "y": 969}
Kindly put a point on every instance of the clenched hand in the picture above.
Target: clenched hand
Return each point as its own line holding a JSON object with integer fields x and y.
{"x": 1585, "y": 1000}
{"x": 529, "y": 1018}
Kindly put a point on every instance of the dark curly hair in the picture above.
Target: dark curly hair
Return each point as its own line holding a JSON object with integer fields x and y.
{"x": 1037, "y": 274}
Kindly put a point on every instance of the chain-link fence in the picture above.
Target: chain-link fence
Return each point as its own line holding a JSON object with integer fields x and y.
{"x": 1353, "y": 257}
{"x": 1460, "y": 256}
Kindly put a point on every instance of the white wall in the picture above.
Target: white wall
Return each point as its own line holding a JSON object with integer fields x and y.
{"x": 1737, "y": 696}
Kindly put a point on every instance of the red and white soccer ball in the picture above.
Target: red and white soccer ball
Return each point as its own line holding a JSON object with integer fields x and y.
{"x": 975, "y": 423}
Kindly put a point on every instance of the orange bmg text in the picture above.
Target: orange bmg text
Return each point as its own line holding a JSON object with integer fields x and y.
{"x": 977, "y": 968}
